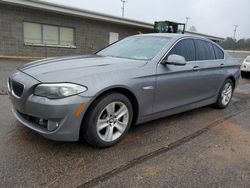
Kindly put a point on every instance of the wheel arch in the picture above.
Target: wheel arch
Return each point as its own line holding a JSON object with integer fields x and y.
{"x": 117, "y": 89}
{"x": 233, "y": 80}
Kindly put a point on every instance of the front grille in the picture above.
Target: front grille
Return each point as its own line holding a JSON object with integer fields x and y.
{"x": 17, "y": 88}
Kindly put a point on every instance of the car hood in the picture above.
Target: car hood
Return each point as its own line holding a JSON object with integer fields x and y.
{"x": 66, "y": 69}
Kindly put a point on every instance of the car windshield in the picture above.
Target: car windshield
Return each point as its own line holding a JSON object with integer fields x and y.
{"x": 248, "y": 58}
{"x": 138, "y": 47}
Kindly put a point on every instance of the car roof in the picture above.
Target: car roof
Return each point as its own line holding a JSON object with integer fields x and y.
{"x": 176, "y": 37}
{"x": 172, "y": 35}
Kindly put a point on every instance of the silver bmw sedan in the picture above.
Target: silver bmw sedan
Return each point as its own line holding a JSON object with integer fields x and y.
{"x": 138, "y": 79}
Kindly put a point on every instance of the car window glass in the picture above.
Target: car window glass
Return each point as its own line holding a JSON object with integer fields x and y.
{"x": 141, "y": 48}
{"x": 218, "y": 52}
{"x": 210, "y": 51}
{"x": 204, "y": 50}
{"x": 184, "y": 48}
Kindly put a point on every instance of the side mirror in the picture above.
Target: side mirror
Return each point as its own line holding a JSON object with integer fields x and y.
{"x": 175, "y": 60}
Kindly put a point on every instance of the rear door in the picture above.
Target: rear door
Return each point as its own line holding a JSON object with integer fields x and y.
{"x": 211, "y": 66}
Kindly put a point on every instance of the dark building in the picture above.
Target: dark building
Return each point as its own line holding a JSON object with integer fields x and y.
{"x": 39, "y": 29}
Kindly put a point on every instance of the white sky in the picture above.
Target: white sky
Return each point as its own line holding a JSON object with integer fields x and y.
{"x": 215, "y": 17}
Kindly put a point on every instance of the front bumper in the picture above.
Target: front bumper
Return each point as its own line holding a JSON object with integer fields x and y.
{"x": 55, "y": 119}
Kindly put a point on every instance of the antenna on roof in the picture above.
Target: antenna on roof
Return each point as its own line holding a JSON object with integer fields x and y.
{"x": 123, "y": 6}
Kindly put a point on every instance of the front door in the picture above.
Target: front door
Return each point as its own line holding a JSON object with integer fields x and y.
{"x": 178, "y": 85}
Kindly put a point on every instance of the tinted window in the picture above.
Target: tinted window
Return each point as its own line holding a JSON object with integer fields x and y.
{"x": 184, "y": 48}
{"x": 218, "y": 52}
{"x": 210, "y": 50}
{"x": 204, "y": 50}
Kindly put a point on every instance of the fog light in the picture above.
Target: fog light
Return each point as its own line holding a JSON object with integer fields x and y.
{"x": 43, "y": 122}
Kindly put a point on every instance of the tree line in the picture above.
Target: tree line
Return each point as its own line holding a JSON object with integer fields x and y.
{"x": 232, "y": 44}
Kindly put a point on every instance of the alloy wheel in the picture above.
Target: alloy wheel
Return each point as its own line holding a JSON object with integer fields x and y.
{"x": 112, "y": 121}
{"x": 226, "y": 93}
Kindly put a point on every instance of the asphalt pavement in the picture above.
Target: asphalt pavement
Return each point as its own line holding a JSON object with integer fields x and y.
{"x": 205, "y": 147}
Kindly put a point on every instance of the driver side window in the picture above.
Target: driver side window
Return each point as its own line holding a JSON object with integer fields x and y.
{"x": 185, "y": 48}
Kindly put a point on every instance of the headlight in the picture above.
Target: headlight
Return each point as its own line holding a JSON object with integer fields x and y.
{"x": 60, "y": 90}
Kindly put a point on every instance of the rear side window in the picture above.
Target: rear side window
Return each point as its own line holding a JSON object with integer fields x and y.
{"x": 218, "y": 52}
{"x": 211, "y": 50}
{"x": 204, "y": 50}
{"x": 184, "y": 48}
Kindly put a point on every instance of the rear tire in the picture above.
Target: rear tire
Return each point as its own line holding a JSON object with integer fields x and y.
{"x": 108, "y": 120}
{"x": 225, "y": 94}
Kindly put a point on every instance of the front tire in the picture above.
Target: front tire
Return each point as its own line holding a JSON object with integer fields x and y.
{"x": 108, "y": 120}
{"x": 225, "y": 94}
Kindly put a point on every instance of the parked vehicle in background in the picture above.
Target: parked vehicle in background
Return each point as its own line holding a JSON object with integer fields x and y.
{"x": 245, "y": 67}
{"x": 135, "y": 80}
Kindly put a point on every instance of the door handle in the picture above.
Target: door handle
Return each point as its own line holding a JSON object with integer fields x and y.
{"x": 196, "y": 68}
{"x": 222, "y": 65}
